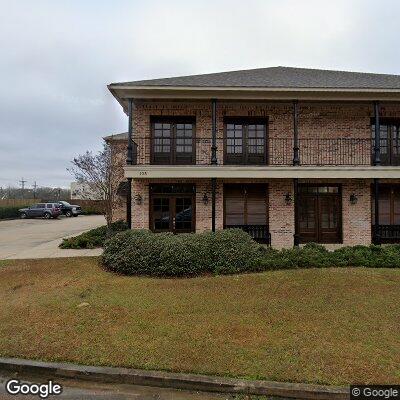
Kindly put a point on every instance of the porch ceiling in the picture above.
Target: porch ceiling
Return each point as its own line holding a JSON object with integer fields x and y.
{"x": 259, "y": 172}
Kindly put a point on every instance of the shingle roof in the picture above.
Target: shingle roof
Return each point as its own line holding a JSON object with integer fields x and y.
{"x": 279, "y": 77}
{"x": 117, "y": 136}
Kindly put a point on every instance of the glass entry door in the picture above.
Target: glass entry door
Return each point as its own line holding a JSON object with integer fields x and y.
{"x": 319, "y": 218}
{"x": 172, "y": 208}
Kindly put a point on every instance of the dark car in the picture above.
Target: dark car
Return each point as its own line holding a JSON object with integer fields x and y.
{"x": 70, "y": 210}
{"x": 42, "y": 210}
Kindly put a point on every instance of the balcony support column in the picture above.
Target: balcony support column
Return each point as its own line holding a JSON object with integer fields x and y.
{"x": 377, "y": 149}
{"x": 296, "y": 237}
{"x": 213, "y": 196}
{"x": 377, "y": 236}
{"x": 296, "y": 150}
{"x": 129, "y": 156}
{"x": 129, "y": 161}
{"x": 214, "y": 131}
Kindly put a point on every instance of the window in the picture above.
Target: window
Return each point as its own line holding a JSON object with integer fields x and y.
{"x": 245, "y": 204}
{"x": 389, "y": 205}
{"x": 319, "y": 213}
{"x": 41, "y": 205}
{"x": 318, "y": 189}
{"x": 173, "y": 140}
{"x": 172, "y": 208}
{"x": 245, "y": 141}
{"x": 389, "y": 141}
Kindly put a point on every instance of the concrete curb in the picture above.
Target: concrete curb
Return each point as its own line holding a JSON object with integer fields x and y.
{"x": 174, "y": 380}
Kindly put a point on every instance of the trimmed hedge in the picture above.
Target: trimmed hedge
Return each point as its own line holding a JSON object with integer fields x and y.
{"x": 9, "y": 212}
{"x": 316, "y": 256}
{"x": 141, "y": 252}
{"x": 93, "y": 238}
{"x": 230, "y": 251}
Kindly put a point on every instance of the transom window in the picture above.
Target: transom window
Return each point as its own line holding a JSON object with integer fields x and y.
{"x": 173, "y": 140}
{"x": 245, "y": 141}
{"x": 318, "y": 189}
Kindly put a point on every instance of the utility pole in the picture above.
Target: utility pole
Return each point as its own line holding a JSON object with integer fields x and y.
{"x": 22, "y": 182}
{"x": 34, "y": 190}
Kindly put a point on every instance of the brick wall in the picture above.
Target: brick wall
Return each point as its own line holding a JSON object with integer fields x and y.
{"x": 327, "y": 121}
{"x": 281, "y": 215}
{"x": 356, "y": 217}
{"x": 316, "y": 120}
{"x": 118, "y": 148}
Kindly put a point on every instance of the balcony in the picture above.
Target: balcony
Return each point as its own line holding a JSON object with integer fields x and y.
{"x": 274, "y": 151}
{"x": 261, "y": 158}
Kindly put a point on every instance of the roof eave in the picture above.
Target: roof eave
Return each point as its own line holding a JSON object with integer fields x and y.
{"x": 123, "y": 92}
{"x": 113, "y": 87}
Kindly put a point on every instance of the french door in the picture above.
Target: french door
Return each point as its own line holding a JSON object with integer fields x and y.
{"x": 245, "y": 141}
{"x": 319, "y": 216}
{"x": 172, "y": 208}
{"x": 389, "y": 143}
{"x": 173, "y": 140}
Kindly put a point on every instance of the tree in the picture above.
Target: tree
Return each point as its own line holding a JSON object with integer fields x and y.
{"x": 97, "y": 172}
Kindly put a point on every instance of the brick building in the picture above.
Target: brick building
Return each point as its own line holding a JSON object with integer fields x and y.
{"x": 290, "y": 155}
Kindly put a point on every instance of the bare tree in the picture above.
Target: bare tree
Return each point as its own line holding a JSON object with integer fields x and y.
{"x": 96, "y": 172}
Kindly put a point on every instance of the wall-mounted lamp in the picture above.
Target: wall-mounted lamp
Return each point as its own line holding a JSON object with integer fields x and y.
{"x": 205, "y": 199}
{"x": 353, "y": 199}
{"x": 138, "y": 199}
{"x": 288, "y": 199}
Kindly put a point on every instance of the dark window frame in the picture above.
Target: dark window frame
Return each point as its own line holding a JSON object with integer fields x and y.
{"x": 391, "y": 142}
{"x": 173, "y": 157}
{"x": 390, "y": 188}
{"x": 338, "y": 195}
{"x": 172, "y": 195}
{"x": 263, "y": 186}
{"x": 245, "y": 157}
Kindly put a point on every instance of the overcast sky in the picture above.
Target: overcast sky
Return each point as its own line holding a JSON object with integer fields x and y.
{"x": 56, "y": 58}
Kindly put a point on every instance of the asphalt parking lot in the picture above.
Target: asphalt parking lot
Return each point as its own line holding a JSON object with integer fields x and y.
{"x": 39, "y": 238}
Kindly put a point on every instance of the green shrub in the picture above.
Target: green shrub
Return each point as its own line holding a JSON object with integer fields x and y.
{"x": 9, "y": 212}
{"x": 93, "y": 238}
{"x": 316, "y": 256}
{"x": 141, "y": 252}
{"x": 232, "y": 251}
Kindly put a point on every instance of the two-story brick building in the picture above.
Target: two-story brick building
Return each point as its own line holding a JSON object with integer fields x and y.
{"x": 290, "y": 155}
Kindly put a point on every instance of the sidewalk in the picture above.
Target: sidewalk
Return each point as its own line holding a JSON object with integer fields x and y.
{"x": 51, "y": 250}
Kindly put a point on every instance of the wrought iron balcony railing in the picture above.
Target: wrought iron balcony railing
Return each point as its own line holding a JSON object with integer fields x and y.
{"x": 258, "y": 151}
{"x": 259, "y": 233}
{"x": 387, "y": 233}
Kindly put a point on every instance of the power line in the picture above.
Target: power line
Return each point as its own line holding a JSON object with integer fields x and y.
{"x": 22, "y": 182}
{"x": 34, "y": 189}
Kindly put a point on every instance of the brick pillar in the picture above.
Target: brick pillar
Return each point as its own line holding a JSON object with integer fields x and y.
{"x": 356, "y": 217}
{"x": 281, "y": 215}
{"x": 140, "y": 212}
{"x": 203, "y": 211}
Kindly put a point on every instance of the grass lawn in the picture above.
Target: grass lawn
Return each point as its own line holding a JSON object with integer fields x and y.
{"x": 330, "y": 326}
